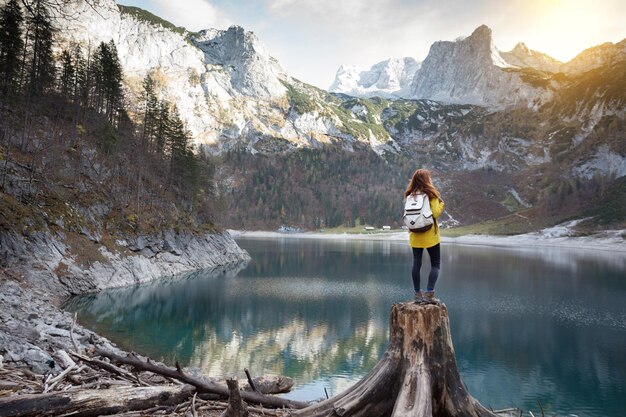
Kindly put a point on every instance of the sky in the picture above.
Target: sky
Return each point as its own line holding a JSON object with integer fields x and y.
{"x": 312, "y": 38}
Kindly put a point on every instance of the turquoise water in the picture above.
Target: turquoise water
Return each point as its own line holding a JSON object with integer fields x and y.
{"x": 528, "y": 326}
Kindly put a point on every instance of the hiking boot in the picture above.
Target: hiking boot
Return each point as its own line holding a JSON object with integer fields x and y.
{"x": 429, "y": 297}
{"x": 419, "y": 297}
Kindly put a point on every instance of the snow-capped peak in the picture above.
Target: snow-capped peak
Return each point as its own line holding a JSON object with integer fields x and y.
{"x": 468, "y": 70}
{"x": 389, "y": 78}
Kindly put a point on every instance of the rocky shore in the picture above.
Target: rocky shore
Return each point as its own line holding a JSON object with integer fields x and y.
{"x": 41, "y": 270}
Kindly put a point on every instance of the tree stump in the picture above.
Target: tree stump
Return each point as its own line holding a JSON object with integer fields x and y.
{"x": 236, "y": 406}
{"x": 416, "y": 377}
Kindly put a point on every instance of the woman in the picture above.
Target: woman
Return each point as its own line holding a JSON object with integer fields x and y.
{"x": 421, "y": 183}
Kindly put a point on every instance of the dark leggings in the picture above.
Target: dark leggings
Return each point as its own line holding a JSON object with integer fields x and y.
{"x": 435, "y": 263}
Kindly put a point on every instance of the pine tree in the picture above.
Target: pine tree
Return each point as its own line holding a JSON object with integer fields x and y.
{"x": 68, "y": 75}
{"x": 177, "y": 138}
{"x": 190, "y": 176}
{"x": 151, "y": 112}
{"x": 11, "y": 46}
{"x": 41, "y": 65}
{"x": 113, "y": 82}
{"x": 96, "y": 76}
{"x": 162, "y": 127}
{"x": 106, "y": 73}
{"x": 206, "y": 173}
{"x": 80, "y": 91}
{"x": 178, "y": 146}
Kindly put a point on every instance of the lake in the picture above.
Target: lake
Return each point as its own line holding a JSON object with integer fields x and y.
{"x": 528, "y": 325}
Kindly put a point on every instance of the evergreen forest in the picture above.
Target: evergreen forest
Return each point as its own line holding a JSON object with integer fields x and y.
{"x": 68, "y": 134}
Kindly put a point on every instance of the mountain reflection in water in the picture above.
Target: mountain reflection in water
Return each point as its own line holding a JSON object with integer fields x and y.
{"x": 527, "y": 325}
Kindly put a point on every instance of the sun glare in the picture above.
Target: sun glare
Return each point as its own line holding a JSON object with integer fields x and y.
{"x": 563, "y": 28}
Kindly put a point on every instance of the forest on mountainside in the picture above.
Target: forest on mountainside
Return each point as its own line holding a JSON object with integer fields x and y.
{"x": 70, "y": 155}
{"x": 329, "y": 187}
{"x": 313, "y": 188}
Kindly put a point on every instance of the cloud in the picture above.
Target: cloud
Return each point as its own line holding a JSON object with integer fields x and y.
{"x": 194, "y": 15}
{"x": 349, "y": 17}
{"x": 361, "y": 33}
{"x": 384, "y": 28}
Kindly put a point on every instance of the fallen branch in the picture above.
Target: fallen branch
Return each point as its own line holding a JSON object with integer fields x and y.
{"x": 108, "y": 367}
{"x": 250, "y": 382}
{"x": 59, "y": 377}
{"x": 200, "y": 384}
{"x": 101, "y": 383}
{"x": 193, "y": 405}
{"x": 76, "y": 349}
{"x": 9, "y": 386}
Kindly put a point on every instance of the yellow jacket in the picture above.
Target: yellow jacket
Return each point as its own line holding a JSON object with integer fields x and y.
{"x": 430, "y": 237}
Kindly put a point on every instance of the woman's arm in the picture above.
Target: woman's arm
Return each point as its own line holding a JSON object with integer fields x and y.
{"x": 436, "y": 206}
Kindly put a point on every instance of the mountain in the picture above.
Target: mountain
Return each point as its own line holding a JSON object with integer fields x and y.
{"x": 530, "y": 167}
{"x": 251, "y": 70}
{"x": 145, "y": 46}
{"x": 472, "y": 71}
{"x": 390, "y": 78}
{"x": 529, "y": 138}
{"x": 597, "y": 56}
{"x": 523, "y": 57}
{"x": 224, "y": 82}
{"x": 466, "y": 71}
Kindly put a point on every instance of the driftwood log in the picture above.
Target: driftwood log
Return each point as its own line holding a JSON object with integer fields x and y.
{"x": 416, "y": 377}
{"x": 87, "y": 402}
{"x": 269, "y": 384}
{"x": 203, "y": 386}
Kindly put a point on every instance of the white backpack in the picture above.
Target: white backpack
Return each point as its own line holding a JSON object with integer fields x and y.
{"x": 418, "y": 216}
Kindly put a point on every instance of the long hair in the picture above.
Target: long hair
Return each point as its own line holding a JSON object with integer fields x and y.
{"x": 421, "y": 182}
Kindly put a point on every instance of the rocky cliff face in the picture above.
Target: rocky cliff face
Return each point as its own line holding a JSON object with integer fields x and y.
{"x": 390, "y": 78}
{"x": 73, "y": 250}
{"x": 472, "y": 71}
{"x": 523, "y": 57}
{"x": 144, "y": 48}
{"x": 134, "y": 260}
{"x": 251, "y": 69}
